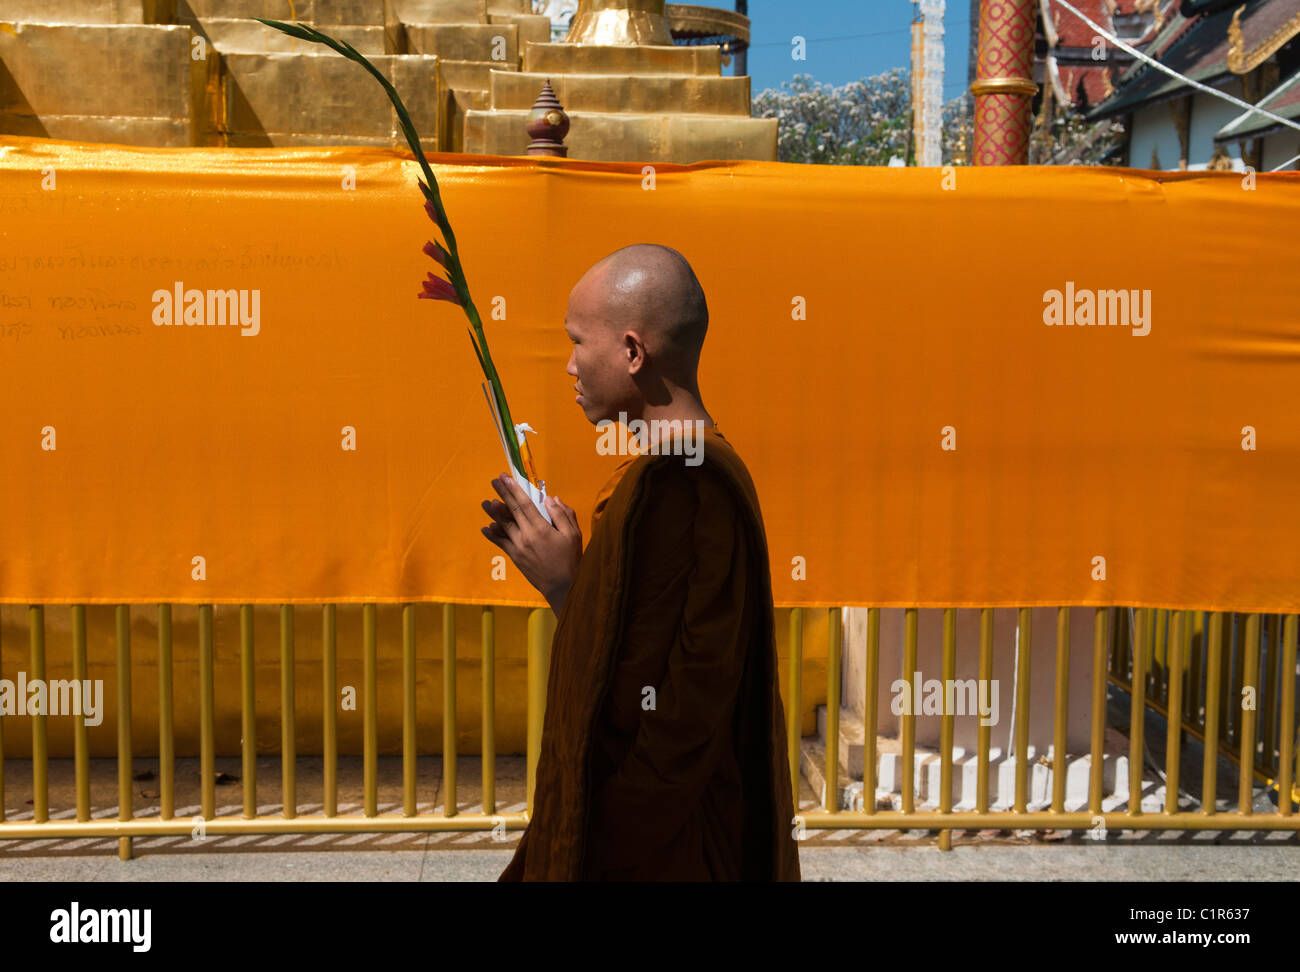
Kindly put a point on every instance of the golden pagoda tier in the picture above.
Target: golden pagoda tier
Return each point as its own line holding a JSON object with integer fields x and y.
{"x": 205, "y": 72}
{"x": 626, "y": 99}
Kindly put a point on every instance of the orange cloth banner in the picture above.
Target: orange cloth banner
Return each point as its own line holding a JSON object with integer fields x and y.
{"x": 998, "y": 386}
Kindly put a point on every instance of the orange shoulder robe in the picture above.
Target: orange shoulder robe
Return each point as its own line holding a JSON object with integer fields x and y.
{"x": 663, "y": 744}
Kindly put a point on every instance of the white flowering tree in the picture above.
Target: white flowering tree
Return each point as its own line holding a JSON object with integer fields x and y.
{"x": 860, "y": 123}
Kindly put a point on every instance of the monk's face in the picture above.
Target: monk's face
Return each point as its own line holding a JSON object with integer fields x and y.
{"x": 599, "y": 359}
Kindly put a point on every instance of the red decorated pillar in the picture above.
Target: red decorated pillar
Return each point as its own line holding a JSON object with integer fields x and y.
{"x": 1004, "y": 86}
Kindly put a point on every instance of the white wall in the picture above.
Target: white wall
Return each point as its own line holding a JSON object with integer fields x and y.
{"x": 1280, "y": 147}
{"x": 1153, "y": 125}
{"x": 1209, "y": 114}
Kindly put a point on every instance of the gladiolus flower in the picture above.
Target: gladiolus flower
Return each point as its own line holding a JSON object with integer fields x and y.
{"x": 435, "y": 213}
{"x": 438, "y": 253}
{"x": 435, "y": 288}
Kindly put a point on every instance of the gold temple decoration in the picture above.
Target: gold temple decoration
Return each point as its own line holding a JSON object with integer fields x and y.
{"x": 695, "y": 20}
{"x": 1220, "y": 161}
{"x": 1236, "y": 44}
{"x": 1004, "y": 86}
{"x": 619, "y": 23}
{"x": 1240, "y": 61}
{"x": 1180, "y": 110}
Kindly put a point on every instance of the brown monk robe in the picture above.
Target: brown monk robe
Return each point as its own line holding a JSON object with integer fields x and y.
{"x": 673, "y": 592}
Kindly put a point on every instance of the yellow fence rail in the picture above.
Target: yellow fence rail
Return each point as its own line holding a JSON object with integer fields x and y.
{"x": 1188, "y": 666}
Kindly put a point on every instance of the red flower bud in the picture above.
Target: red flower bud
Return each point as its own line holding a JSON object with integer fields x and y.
{"x": 438, "y": 253}
{"x": 435, "y": 288}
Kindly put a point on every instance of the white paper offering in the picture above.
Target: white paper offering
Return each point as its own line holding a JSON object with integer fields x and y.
{"x": 538, "y": 496}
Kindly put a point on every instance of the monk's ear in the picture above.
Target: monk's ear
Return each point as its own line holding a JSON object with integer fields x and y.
{"x": 634, "y": 348}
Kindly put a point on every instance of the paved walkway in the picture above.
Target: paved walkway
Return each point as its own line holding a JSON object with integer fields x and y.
{"x": 826, "y": 855}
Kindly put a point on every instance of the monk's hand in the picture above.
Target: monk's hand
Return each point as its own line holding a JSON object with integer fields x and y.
{"x": 547, "y": 554}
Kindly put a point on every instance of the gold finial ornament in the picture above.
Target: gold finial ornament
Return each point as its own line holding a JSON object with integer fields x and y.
{"x": 1236, "y": 44}
{"x": 619, "y": 23}
{"x": 548, "y": 124}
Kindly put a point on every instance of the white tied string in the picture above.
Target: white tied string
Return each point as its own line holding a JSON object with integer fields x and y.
{"x": 1285, "y": 164}
{"x": 1186, "y": 80}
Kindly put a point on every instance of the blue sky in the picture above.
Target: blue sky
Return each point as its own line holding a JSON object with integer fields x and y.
{"x": 847, "y": 39}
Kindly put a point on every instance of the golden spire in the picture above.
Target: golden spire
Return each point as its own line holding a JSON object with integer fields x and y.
{"x": 623, "y": 23}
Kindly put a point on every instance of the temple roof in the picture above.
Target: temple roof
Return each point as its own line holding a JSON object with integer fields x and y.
{"x": 1077, "y": 77}
{"x": 1283, "y": 100}
{"x": 1205, "y": 40}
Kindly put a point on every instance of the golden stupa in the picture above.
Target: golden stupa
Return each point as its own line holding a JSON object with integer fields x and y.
{"x": 629, "y": 91}
{"x": 204, "y": 72}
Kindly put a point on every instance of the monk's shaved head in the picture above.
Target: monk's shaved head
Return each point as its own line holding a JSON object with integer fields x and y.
{"x": 652, "y": 288}
{"x": 637, "y": 320}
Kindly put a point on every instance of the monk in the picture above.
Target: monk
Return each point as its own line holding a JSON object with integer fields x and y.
{"x": 663, "y": 751}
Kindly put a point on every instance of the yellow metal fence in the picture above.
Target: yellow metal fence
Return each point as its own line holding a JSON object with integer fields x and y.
{"x": 1231, "y": 646}
{"x": 1191, "y": 665}
{"x": 540, "y": 628}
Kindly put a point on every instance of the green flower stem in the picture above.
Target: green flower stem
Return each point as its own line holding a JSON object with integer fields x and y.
{"x": 430, "y": 189}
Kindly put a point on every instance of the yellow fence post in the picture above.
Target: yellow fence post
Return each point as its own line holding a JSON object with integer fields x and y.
{"x": 1246, "y": 740}
{"x": 248, "y": 709}
{"x": 207, "y": 732}
{"x": 1100, "y": 654}
{"x": 40, "y": 750}
{"x": 983, "y": 732}
{"x": 166, "y": 705}
{"x": 1174, "y": 709}
{"x": 831, "y": 798}
{"x": 1137, "y": 712}
{"x": 449, "y": 710}
{"x": 946, "y": 725}
{"x": 81, "y": 750}
{"x": 330, "y": 713}
{"x": 871, "y": 714}
{"x": 488, "y": 747}
{"x": 909, "y": 717}
{"x": 1288, "y": 721}
{"x": 1213, "y": 677}
{"x": 794, "y": 727}
{"x": 288, "y": 717}
{"x": 1061, "y": 709}
{"x": 540, "y": 629}
{"x": 1024, "y": 641}
{"x": 125, "y": 807}
{"x": 370, "y": 717}
{"x": 410, "y": 749}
